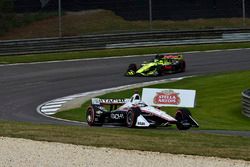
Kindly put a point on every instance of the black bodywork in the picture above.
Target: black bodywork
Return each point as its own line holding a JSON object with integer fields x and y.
{"x": 102, "y": 116}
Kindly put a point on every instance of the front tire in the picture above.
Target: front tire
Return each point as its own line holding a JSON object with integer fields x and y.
{"x": 132, "y": 68}
{"x": 132, "y": 116}
{"x": 182, "y": 117}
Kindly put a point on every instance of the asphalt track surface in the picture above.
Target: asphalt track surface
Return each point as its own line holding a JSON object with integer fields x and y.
{"x": 25, "y": 86}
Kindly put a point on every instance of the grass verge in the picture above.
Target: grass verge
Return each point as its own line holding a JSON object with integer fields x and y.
{"x": 159, "y": 140}
{"x": 89, "y": 22}
{"x": 218, "y": 104}
{"x": 117, "y": 52}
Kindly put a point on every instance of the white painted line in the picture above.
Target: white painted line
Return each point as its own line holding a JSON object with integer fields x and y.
{"x": 51, "y": 106}
{"x": 76, "y": 60}
{"x": 57, "y": 100}
{"x": 55, "y": 103}
{"x": 50, "y": 113}
{"x": 77, "y": 95}
{"x": 63, "y": 99}
{"x": 117, "y": 57}
{"x": 49, "y": 110}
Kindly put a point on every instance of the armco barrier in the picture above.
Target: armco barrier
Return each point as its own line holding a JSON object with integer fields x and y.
{"x": 246, "y": 102}
{"x": 122, "y": 40}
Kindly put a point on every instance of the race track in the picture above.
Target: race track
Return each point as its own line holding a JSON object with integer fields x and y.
{"x": 25, "y": 86}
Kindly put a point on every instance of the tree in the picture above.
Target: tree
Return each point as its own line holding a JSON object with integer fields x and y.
{"x": 6, "y": 6}
{"x": 6, "y": 14}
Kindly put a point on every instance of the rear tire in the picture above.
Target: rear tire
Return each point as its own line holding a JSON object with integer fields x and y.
{"x": 159, "y": 56}
{"x": 132, "y": 116}
{"x": 160, "y": 71}
{"x": 91, "y": 116}
{"x": 183, "y": 66}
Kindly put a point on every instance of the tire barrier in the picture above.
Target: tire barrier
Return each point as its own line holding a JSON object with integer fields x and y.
{"x": 246, "y": 102}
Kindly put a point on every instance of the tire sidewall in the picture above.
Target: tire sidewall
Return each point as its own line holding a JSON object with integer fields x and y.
{"x": 133, "y": 113}
{"x": 90, "y": 114}
{"x": 181, "y": 115}
{"x": 130, "y": 120}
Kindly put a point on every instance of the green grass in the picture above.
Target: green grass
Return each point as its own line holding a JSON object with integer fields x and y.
{"x": 159, "y": 140}
{"x": 222, "y": 108}
{"x": 220, "y": 111}
{"x": 89, "y": 22}
{"x": 218, "y": 104}
{"x": 117, "y": 52}
{"x": 12, "y": 21}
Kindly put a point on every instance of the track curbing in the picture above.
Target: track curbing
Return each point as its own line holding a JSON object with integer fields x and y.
{"x": 51, "y": 107}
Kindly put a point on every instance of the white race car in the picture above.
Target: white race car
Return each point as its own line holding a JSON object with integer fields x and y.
{"x": 135, "y": 113}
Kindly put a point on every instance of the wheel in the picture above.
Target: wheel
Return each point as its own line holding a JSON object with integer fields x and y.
{"x": 132, "y": 67}
{"x": 91, "y": 117}
{"x": 182, "y": 117}
{"x": 174, "y": 69}
{"x": 183, "y": 66}
{"x": 159, "y": 56}
{"x": 160, "y": 70}
{"x": 132, "y": 115}
{"x": 131, "y": 70}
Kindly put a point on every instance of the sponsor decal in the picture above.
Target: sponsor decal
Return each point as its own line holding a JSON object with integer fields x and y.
{"x": 112, "y": 101}
{"x": 167, "y": 97}
{"x": 171, "y": 56}
{"x": 117, "y": 116}
{"x": 141, "y": 123}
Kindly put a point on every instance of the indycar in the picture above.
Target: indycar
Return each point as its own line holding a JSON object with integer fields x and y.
{"x": 162, "y": 64}
{"x": 133, "y": 113}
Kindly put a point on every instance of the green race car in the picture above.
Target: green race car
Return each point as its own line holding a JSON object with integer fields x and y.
{"x": 162, "y": 64}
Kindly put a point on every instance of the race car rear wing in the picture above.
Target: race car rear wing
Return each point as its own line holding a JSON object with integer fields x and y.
{"x": 173, "y": 56}
{"x": 98, "y": 101}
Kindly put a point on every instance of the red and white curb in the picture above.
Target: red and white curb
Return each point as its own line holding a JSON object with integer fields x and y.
{"x": 52, "y": 107}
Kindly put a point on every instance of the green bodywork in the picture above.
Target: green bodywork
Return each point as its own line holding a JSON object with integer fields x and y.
{"x": 152, "y": 68}
{"x": 149, "y": 69}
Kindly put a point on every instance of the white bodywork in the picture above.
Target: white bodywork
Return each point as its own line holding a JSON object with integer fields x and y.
{"x": 135, "y": 101}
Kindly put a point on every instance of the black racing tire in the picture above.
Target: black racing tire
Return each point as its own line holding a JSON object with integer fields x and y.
{"x": 159, "y": 56}
{"x": 90, "y": 117}
{"x": 132, "y": 67}
{"x": 183, "y": 66}
{"x": 160, "y": 70}
{"x": 181, "y": 116}
{"x": 185, "y": 111}
{"x": 132, "y": 116}
{"x": 174, "y": 69}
